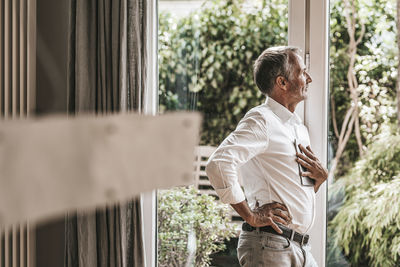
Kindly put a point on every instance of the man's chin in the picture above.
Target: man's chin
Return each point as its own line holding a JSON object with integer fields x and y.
{"x": 305, "y": 94}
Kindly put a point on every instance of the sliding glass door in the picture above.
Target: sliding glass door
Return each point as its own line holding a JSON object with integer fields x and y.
{"x": 206, "y": 53}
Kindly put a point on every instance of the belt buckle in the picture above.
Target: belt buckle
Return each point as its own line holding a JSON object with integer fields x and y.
{"x": 302, "y": 240}
{"x": 292, "y": 235}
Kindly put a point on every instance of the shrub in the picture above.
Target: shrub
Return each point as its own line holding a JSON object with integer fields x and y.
{"x": 367, "y": 226}
{"x": 183, "y": 211}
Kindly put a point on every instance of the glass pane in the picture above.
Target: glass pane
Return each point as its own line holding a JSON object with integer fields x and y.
{"x": 364, "y": 198}
{"x": 206, "y": 53}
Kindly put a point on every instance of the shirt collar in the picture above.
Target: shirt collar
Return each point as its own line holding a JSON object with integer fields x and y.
{"x": 282, "y": 112}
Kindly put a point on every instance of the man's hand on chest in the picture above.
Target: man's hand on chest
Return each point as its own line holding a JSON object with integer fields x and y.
{"x": 315, "y": 169}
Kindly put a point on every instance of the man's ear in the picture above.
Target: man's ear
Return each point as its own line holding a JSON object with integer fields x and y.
{"x": 281, "y": 82}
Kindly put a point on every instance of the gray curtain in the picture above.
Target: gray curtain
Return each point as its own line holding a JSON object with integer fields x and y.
{"x": 106, "y": 74}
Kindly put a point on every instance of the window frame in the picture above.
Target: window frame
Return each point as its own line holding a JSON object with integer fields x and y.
{"x": 311, "y": 34}
{"x": 150, "y": 107}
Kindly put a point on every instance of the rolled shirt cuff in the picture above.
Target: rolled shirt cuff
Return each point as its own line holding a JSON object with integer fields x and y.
{"x": 231, "y": 195}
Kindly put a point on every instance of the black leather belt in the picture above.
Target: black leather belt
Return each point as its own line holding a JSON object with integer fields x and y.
{"x": 287, "y": 232}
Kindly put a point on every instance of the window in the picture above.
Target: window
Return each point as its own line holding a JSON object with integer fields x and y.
{"x": 206, "y": 52}
{"x": 190, "y": 65}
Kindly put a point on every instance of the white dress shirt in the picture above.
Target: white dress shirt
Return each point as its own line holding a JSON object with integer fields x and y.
{"x": 262, "y": 155}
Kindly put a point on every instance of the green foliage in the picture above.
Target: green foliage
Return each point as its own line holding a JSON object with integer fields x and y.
{"x": 206, "y": 60}
{"x": 367, "y": 226}
{"x": 375, "y": 68}
{"x": 182, "y": 211}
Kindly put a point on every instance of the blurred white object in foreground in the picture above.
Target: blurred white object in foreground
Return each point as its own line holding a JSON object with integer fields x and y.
{"x": 56, "y": 164}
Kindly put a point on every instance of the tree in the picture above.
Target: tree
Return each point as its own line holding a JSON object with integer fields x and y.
{"x": 351, "y": 118}
{"x": 370, "y": 70}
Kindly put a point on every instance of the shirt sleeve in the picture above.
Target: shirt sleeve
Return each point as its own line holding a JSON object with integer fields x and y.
{"x": 249, "y": 139}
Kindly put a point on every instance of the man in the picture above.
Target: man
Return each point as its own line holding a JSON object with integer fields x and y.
{"x": 270, "y": 151}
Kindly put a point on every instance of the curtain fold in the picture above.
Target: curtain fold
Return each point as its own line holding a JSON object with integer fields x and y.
{"x": 106, "y": 74}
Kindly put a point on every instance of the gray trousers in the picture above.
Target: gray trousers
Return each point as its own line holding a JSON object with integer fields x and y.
{"x": 261, "y": 249}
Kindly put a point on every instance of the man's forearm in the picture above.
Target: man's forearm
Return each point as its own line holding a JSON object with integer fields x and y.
{"x": 243, "y": 209}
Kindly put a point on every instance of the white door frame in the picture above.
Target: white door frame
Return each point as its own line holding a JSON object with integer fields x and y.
{"x": 150, "y": 107}
{"x": 311, "y": 34}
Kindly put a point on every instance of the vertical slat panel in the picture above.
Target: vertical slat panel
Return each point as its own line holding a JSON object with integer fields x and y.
{"x": 22, "y": 241}
{"x": 6, "y": 246}
{"x": 22, "y": 61}
{"x": 7, "y": 52}
{"x": 17, "y": 98}
{"x": 29, "y": 101}
{"x": 17, "y": 246}
{"x": 26, "y": 255}
{"x": 31, "y": 56}
{"x": 30, "y": 245}
{"x": 1, "y": 64}
{"x": 1, "y": 248}
{"x": 27, "y": 251}
{"x": 14, "y": 241}
{"x": 15, "y": 61}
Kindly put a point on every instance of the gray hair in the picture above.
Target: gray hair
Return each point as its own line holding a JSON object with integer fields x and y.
{"x": 273, "y": 62}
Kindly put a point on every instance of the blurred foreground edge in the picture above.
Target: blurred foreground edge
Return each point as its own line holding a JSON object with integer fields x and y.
{"x": 52, "y": 165}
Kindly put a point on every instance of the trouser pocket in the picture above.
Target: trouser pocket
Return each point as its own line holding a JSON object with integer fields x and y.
{"x": 276, "y": 243}
{"x": 245, "y": 250}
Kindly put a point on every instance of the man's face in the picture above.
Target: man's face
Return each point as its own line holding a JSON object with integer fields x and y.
{"x": 299, "y": 79}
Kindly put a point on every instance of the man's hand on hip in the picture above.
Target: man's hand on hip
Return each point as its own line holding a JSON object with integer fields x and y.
{"x": 315, "y": 170}
{"x": 266, "y": 215}
{"x": 270, "y": 214}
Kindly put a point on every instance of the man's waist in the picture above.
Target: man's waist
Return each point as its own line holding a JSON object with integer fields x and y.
{"x": 286, "y": 232}
{"x": 302, "y": 215}
{"x": 299, "y": 211}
